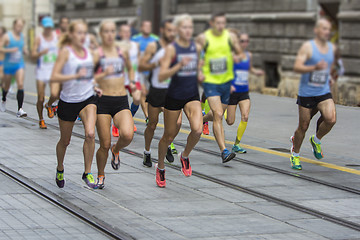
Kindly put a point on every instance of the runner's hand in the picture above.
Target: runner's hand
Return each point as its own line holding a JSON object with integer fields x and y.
{"x": 98, "y": 91}
{"x": 109, "y": 70}
{"x": 81, "y": 73}
{"x": 12, "y": 50}
{"x": 185, "y": 61}
{"x": 201, "y": 76}
{"x": 45, "y": 51}
{"x": 321, "y": 65}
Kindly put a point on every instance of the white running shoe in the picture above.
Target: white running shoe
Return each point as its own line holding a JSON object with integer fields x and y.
{"x": 21, "y": 113}
{"x": 3, "y": 106}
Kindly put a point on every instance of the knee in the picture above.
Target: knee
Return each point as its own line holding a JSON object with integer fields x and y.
{"x": 168, "y": 138}
{"x": 330, "y": 120}
{"x": 152, "y": 125}
{"x": 244, "y": 117}
{"x": 105, "y": 145}
{"x": 198, "y": 130}
{"x": 90, "y": 135}
{"x": 64, "y": 142}
{"x": 217, "y": 115}
{"x": 127, "y": 137}
{"x": 230, "y": 121}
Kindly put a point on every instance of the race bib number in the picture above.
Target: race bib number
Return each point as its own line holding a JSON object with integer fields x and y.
{"x": 189, "y": 69}
{"x": 15, "y": 57}
{"x": 218, "y": 66}
{"x": 89, "y": 72}
{"x": 241, "y": 77}
{"x": 49, "y": 58}
{"x": 319, "y": 78}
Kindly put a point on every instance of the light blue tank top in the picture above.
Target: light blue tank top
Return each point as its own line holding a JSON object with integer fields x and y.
{"x": 17, "y": 57}
{"x": 317, "y": 83}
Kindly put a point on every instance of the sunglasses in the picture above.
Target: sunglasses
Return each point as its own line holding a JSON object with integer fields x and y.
{"x": 244, "y": 41}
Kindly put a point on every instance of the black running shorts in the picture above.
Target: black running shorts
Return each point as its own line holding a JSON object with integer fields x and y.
{"x": 176, "y": 104}
{"x": 156, "y": 97}
{"x": 112, "y": 104}
{"x": 70, "y": 111}
{"x": 312, "y": 102}
{"x": 236, "y": 97}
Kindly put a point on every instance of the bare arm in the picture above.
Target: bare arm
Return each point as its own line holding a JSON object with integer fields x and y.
{"x": 200, "y": 40}
{"x": 304, "y": 54}
{"x": 165, "y": 71}
{"x": 201, "y": 76}
{"x": 144, "y": 64}
{"x": 128, "y": 66}
{"x": 5, "y": 42}
{"x": 253, "y": 70}
{"x": 235, "y": 44}
{"x": 34, "y": 52}
{"x": 56, "y": 75}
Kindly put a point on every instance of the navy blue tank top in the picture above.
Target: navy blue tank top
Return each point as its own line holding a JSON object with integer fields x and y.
{"x": 184, "y": 84}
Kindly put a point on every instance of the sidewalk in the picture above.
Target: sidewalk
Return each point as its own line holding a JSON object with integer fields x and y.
{"x": 194, "y": 208}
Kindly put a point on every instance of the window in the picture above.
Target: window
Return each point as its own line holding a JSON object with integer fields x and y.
{"x": 272, "y": 74}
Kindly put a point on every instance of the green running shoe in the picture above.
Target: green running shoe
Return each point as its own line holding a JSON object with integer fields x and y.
{"x": 236, "y": 148}
{"x": 316, "y": 147}
{"x": 173, "y": 149}
{"x": 295, "y": 163}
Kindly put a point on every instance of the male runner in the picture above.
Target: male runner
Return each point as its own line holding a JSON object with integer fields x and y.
{"x": 314, "y": 61}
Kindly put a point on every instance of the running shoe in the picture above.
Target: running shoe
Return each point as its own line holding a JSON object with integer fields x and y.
{"x": 185, "y": 166}
{"x": 100, "y": 183}
{"x": 226, "y": 155}
{"x": 147, "y": 160}
{"x": 160, "y": 177}
{"x": 3, "y": 106}
{"x": 42, "y": 124}
{"x": 292, "y": 146}
{"x": 21, "y": 113}
{"x": 115, "y": 131}
{"x": 169, "y": 155}
{"x": 173, "y": 149}
{"x": 316, "y": 148}
{"x": 49, "y": 110}
{"x": 54, "y": 109}
{"x": 60, "y": 181}
{"x": 78, "y": 119}
{"x": 135, "y": 128}
{"x": 89, "y": 180}
{"x": 237, "y": 149}
{"x": 206, "y": 128}
{"x": 295, "y": 162}
{"x": 146, "y": 121}
{"x": 115, "y": 159}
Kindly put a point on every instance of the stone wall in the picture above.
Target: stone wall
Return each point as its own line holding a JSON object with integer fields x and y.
{"x": 277, "y": 29}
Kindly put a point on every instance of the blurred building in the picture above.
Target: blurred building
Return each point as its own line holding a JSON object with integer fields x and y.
{"x": 277, "y": 29}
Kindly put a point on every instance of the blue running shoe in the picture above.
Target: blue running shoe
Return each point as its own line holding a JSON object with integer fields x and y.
{"x": 226, "y": 155}
{"x": 237, "y": 149}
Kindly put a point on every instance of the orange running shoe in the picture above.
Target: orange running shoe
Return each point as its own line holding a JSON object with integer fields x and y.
{"x": 160, "y": 177}
{"x": 206, "y": 128}
{"x": 115, "y": 131}
{"x": 49, "y": 110}
{"x": 42, "y": 124}
{"x": 185, "y": 166}
{"x": 135, "y": 128}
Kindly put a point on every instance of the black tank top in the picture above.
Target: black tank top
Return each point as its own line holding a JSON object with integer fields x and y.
{"x": 184, "y": 84}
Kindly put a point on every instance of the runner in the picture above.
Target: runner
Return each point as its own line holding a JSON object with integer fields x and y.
{"x": 134, "y": 87}
{"x": 218, "y": 44}
{"x": 314, "y": 61}
{"x": 13, "y": 45}
{"x": 55, "y": 87}
{"x": 240, "y": 91}
{"x": 74, "y": 68}
{"x": 157, "y": 93}
{"x": 144, "y": 38}
{"x": 63, "y": 26}
{"x": 113, "y": 104}
{"x": 2, "y": 55}
{"x": 181, "y": 64}
{"x": 45, "y": 51}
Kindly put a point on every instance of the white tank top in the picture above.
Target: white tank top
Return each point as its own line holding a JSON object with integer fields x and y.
{"x": 155, "y": 83}
{"x": 46, "y": 62}
{"x": 78, "y": 90}
{"x": 134, "y": 59}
